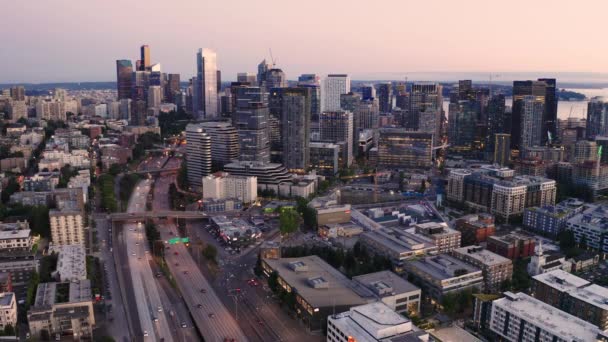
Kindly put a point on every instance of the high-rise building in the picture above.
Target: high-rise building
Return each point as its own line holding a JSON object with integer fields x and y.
{"x": 385, "y": 97}
{"x": 495, "y": 121}
{"x": 368, "y": 92}
{"x": 224, "y": 143}
{"x": 206, "y": 105}
{"x": 334, "y": 85}
{"x": 424, "y": 97}
{"x": 145, "y": 58}
{"x": 521, "y": 89}
{"x": 172, "y": 90}
{"x": 365, "y": 116}
{"x": 549, "y": 123}
{"x": 275, "y": 78}
{"x": 124, "y": 70}
{"x": 18, "y": 93}
{"x": 531, "y": 130}
{"x": 198, "y": 154}
{"x": 462, "y": 123}
{"x": 67, "y": 228}
{"x": 251, "y": 119}
{"x": 597, "y": 117}
{"x": 313, "y": 82}
{"x": 399, "y": 148}
{"x": 154, "y": 96}
{"x": 263, "y": 68}
{"x": 337, "y": 126}
{"x": 246, "y": 77}
{"x": 295, "y": 116}
{"x": 502, "y": 149}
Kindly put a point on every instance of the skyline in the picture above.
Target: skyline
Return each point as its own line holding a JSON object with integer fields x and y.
{"x": 474, "y": 41}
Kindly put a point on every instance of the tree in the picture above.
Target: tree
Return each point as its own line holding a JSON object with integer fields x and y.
{"x": 115, "y": 169}
{"x": 566, "y": 240}
{"x": 309, "y": 215}
{"x": 288, "y": 221}
{"x": 12, "y": 187}
{"x": 38, "y": 219}
{"x": 273, "y": 281}
{"x": 210, "y": 252}
{"x": 9, "y": 330}
{"x": 583, "y": 243}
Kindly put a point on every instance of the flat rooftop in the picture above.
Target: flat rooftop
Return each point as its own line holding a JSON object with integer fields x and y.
{"x": 593, "y": 294}
{"x": 483, "y": 255}
{"x": 386, "y": 279}
{"x": 11, "y": 234}
{"x": 71, "y": 263}
{"x": 6, "y": 299}
{"x": 568, "y": 327}
{"x": 443, "y": 266}
{"x": 399, "y": 241}
{"x": 561, "y": 280}
{"x": 330, "y": 286}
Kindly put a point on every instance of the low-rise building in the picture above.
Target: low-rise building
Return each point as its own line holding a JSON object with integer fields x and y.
{"x": 211, "y": 205}
{"x": 8, "y": 310}
{"x": 67, "y": 227}
{"x": 320, "y": 290}
{"x": 42, "y": 181}
{"x": 235, "y": 231}
{"x": 222, "y": 185}
{"x": 542, "y": 262}
{"x": 397, "y": 293}
{"x": 519, "y": 317}
{"x": 20, "y": 266}
{"x": 445, "y": 238}
{"x": 15, "y": 237}
{"x": 442, "y": 274}
{"x": 496, "y": 269}
{"x": 513, "y": 245}
{"x": 371, "y": 323}
{"x": 551, "y": 220}
{"x": 592, "y": 224}
{"x": 71, "y": 263}
{"x": 63, "y": 308}
{"x": 475, "y": 228}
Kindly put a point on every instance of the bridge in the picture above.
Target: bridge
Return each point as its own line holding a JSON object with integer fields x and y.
{"x": 156, "y": 171}
{"x": 158, "y": 214}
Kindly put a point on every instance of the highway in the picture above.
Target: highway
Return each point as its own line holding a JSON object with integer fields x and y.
{"x": 153, "y": 317}
{"x": 210, "y": 315}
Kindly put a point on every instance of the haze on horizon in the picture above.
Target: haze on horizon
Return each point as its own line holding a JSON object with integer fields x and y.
{"x": 74, "y": 40}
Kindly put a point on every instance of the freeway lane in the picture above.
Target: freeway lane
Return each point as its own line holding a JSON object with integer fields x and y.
{"x": 212, "y": 318}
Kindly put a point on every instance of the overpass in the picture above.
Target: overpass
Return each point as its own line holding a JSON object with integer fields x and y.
{"x": 158, "y": 214}
{"x": 156, "y": 171}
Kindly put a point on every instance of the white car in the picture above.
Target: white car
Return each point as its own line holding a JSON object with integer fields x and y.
{"x": 145, "y": 333}
{"x": 160, "y": 309}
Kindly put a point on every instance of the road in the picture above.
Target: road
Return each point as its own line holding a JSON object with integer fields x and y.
{"x": 212, "y": 318}
{"x": 153, "y": 317}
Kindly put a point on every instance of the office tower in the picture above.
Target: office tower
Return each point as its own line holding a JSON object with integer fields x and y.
{"x": 549, "y": 123}
{"x": 424, "y": 97}
{"x": 522, "y": 89}
{"x": 312, "y": 82}
{"x": 385, "y": 97}
{"x": 154, "y": 96}
{"x": 145, "y": 58}
{"x": 275, "y": 78}
{"x": 224, "y": 143}
{"x": 198, "y": 154}
{"x": 263, "y": 68}
{"x": 172, "y": 90}
{"x": 349, "y": 101}
{"x": 139, "y": 112}
{"x": 399, "y": 148}
{"x": 125, "y": 109}
{"x": 336, "y": 127}
{"x": 502, "y": 149}
{"x": 402, "y": 100}
{"x": 226, "y": 103}
{"x": 597, "y": 118}
{"x": 462, "y": 123}
{"x": 219, "y": 81}
{"x": 368, "y": 91}
{"x": 365, "y": 116}
{"x": 206, "y": 77}
{"x": 246, "y": 77}
{"x": 140, "y": 81}
{"x": 531, "y": 109}
{"x": 495, "y": 120}
{"x": 124, "y": 71}
{"x": 334, "y": 85}
{"x": 251, "y": 119}
{"x": 18, "y": 93}
{"x": 295, "y": 116}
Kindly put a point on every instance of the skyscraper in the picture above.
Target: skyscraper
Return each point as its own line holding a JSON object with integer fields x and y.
{"x": 522, "y": 89}
{"x": 385, "y": 97}
{"x": 145, "y": 57}
{"x": 124, "y": 71}
{"x": 597, "y": 118}
{"x": 313, "y": 82}
{"x": 275, "y": 78}
{"x": 224, "y": 143}
{"x": 246, "y": 77}
{"x": 336, "y": 127}
{"x": 365, "y": 116}
{"x": 263, "y": 68}
{"x": 502, "y": 149}
{"x": 368, "y": 91}
{"x": 461, "y": 123}
{"x": 206, "y": 104}
{"x": 154, "y": 96}
{"x": 550, "y": 112}
{"x": 400, "y": 148}
{"x": 496, "y": 122}
{"x": 424, "y": 97}
{"x": 334, "y": 85}
{"x": 198, "y": 154}
{"x": 532, "y": 109}
{"x": 295, "y": 115}
{"x": 172, "y": 89}
{"x": 251, "y": 119}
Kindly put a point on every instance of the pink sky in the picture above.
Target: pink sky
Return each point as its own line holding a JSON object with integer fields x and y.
{"x": 76, "y": 40}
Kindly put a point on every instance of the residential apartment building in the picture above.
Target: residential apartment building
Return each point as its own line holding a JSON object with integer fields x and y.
{"x": 475, "y": 228}
{"x": 8, "y": 310}
{"x": 445, "y": 238}
{"x": 551, "y": 220}
{"x": 397, "y": 293}
{"x": 496, "y": 269}
{"x": 513, "y": 245}
{"x": 592, "y": 223}
{"x": 222, "y": 185}
{"x": 67, "y": 227}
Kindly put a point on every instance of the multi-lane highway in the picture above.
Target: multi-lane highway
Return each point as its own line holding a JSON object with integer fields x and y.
{"x": 213, "y": 320}
{"x": 153, "y": 318}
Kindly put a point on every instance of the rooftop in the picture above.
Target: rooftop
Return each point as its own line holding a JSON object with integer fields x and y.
{"x": 483, "y": 255}
{"x": 400, "y": 242}
{"x": 372, "y": 322}
{"x": 568, "y": 327}
{"x": 561, "y": 280}
{"x": 593, "y": 294}
{"x": 444, "y": 266}
{"x": 318, "y": 283}
{"x": 71, "y": 263}
{"x": 386, "y": 283}
{"x": 6, "y": 298}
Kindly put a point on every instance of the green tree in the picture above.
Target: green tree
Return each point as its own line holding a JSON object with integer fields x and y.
{"x": 566, "y": 240}
{"x": 210, "y": 252}
{"x": 288, "y": 221}
{"x": 273, "y": 281}
{"x": 9, "y": 330}
{"x": 38, "y": 219}
{"x": 11, "y": 187}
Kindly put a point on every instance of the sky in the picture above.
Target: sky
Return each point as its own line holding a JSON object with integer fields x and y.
{"x": 80, "y": 40}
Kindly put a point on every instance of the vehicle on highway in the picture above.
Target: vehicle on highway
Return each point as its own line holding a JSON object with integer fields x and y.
{"x": 199, "y": 305}
{"x": 177, "y": 264}
{"x": 211, "y": 315}
{"x": 184, "y": 325}
{"x": 145, "y": 333}
{"x": 155, "y": 319}
{"x": 133, "y": 254}
{"x": 185, "y": 272}
{"x": 160, "y": 309}
{"x": 175, "y": 253}
{"x": 203, "y": 291}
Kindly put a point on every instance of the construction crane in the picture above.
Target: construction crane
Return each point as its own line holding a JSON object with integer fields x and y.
{"x": 272, "y": 57}
{"x": 372, "y": 174}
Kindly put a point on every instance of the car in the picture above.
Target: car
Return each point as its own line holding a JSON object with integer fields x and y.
{"x": 137, "y": 244}
{"x": 211, "y": 315}
{"x": 155, "y": 319}
{"x": 199, "y": 305}
{"x": 185, "y": 272}
{"x": 133, "y": 254}
{"x": 160, "y": 309}
{"x": 158, "y": 275}
{"x": 184, "y": 325}
{"x": 203, "y": 291}
{"x": 177, "y": 264}
{"x": 175, "y": 253}
{"x": 145, "y": 333}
